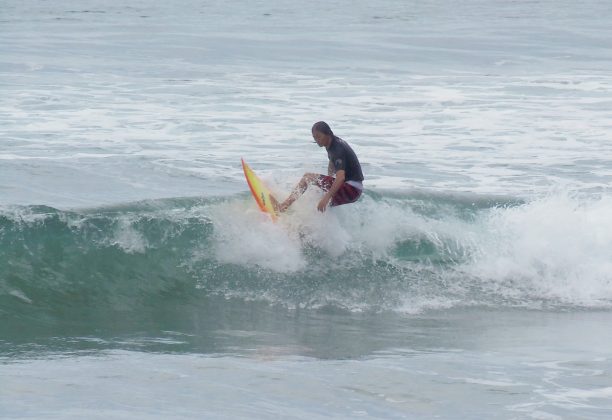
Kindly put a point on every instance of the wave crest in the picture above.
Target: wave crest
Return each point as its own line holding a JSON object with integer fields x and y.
{"x": 390, "y": 251}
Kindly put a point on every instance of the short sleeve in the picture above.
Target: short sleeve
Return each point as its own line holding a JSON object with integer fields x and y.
{"x": 339, "y": 163}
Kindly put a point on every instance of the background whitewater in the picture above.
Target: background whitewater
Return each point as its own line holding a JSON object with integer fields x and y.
{"x": 104, "y": 104}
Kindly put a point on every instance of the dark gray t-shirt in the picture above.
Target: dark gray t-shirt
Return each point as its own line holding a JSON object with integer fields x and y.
{"x": 343, "y": 158}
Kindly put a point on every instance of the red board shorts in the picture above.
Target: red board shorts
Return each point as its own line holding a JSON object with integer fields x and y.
{"x": 345, "y": 195}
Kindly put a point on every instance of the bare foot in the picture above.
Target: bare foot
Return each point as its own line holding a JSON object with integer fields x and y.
{"x": 275, "y": 204}
{"x": 279, "y": 207}
{"x": 282, "y": 207}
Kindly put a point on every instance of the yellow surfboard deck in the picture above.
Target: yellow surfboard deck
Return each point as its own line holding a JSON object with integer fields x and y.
{"x": 264, "y": 198}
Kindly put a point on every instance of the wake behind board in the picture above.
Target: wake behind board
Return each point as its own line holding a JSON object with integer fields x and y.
{"x": 264, "y": 198}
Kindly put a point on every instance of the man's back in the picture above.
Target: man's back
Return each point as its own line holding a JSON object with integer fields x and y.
{"x": 344, "y": 158}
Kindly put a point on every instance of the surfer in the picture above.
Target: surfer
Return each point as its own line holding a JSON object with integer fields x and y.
{"x": 346, "y": 187}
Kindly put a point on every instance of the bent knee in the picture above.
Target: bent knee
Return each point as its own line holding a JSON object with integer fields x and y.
{"x": 310, "y": 177}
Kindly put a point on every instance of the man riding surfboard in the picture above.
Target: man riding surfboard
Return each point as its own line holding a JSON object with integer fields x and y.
{"x": 346, "y": 187}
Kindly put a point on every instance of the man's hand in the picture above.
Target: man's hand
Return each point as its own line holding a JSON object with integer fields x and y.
{"x": 323, "y": 203}
{"x": 338, "y": 181}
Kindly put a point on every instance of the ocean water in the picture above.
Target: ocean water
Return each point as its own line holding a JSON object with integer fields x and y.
{"x": 138, "y": 280}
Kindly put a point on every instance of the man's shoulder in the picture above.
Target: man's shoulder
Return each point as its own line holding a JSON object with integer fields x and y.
{"x": 339, "y": 145}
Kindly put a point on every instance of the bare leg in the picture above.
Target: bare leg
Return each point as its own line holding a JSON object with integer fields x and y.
{"x": 299, "y": 189}
{"x": 275, "y": 204}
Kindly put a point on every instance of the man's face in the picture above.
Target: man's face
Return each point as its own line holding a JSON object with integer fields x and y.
{"x": 320, "y": 138}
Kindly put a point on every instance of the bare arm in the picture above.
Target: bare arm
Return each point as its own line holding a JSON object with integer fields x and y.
{"x": 340, "y": 177}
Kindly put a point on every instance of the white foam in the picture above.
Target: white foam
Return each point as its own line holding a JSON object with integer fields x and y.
{"x": 418, "y": 304}
{"x": 490, "y": 383}
{"x": 245, "y": 236}
{"x": 127, "y": 237}
{"x": 558, "y": 247}
{"x": 20, "y": 295}
{"x": 586, "y": 394}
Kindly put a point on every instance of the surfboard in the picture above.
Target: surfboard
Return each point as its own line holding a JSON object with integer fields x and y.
{"x": 261, "y": 193}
